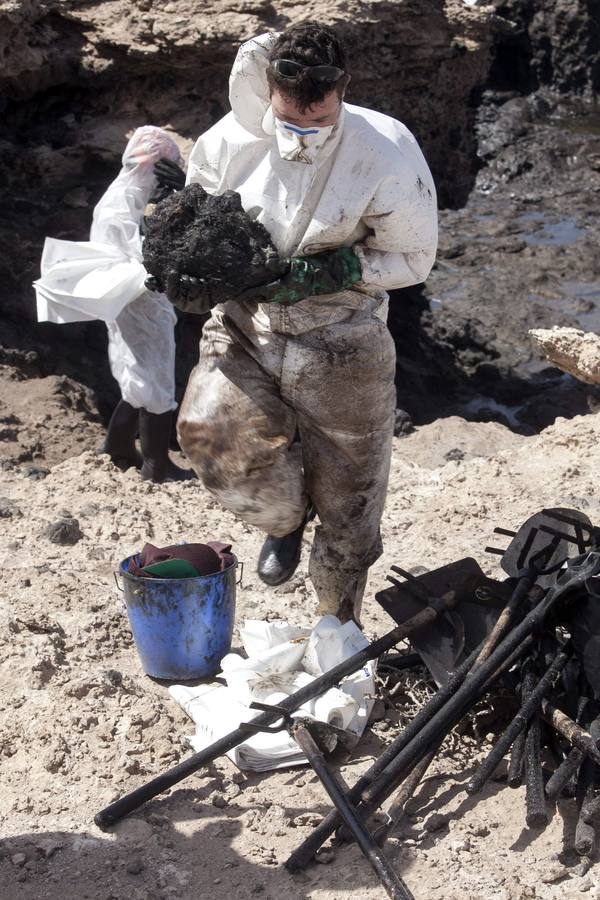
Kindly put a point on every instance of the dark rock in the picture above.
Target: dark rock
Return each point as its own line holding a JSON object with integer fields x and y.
{"x": 436, "y": 822}
{"x": 135, "y": 866}
{"x": 9, "y": 509}
{"x": 37, "y": 473}
{"x": 63, "y": 531}
{"x": 403, "y": 424}
{"x": 212, "y": 239}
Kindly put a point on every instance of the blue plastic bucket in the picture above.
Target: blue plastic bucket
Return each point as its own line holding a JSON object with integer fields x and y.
{"x": 182, "y": 627}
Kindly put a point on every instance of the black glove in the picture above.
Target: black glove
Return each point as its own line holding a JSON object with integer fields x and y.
{"x": 169, "y": 174}
{"x": 188, "y": 293}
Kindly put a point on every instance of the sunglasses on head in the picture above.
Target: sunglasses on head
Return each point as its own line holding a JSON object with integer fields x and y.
{"x": 291, "y": 71}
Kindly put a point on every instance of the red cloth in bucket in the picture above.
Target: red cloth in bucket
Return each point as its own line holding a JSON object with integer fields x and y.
{"x": 208, "y": 558}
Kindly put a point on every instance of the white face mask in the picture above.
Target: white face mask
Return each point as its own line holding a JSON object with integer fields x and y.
{"x": 300, "y": 144}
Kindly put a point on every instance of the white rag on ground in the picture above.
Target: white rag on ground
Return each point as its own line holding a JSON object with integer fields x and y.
{"x": 282, "y": 658}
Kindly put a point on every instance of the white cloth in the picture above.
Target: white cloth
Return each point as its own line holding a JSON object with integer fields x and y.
{"x": 103, "y": 278}
{"x": 368, "y": 187}
{"x": 85, "y": 280}
{"x": 96, "y": 279}
{"x": 282, "y": 658}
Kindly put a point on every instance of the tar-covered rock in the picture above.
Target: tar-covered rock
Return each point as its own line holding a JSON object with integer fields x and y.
{"x": 211, "y": 238}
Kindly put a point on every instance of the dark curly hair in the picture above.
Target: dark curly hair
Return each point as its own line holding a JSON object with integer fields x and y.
{"x": 311, "y": 44}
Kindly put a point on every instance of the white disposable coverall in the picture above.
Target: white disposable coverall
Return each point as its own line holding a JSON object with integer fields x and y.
{"x": 103, "y": 278}
{"x": 324, "y": 367}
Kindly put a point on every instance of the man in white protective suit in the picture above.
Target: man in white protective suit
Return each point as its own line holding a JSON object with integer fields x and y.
{"x": 141, "y": 340}
{"x": 290, "y": 410}
{"x": 103, "y": 278}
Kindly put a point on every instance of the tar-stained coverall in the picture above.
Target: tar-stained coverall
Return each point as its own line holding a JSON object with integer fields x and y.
{"x": 324, "y": 367}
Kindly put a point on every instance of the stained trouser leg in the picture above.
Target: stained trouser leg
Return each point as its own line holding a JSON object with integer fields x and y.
{"x": 238, "y": 433}
{"x": 344, "y": 395}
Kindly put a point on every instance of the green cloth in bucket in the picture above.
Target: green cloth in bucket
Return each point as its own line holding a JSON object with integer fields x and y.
{"x": 172, "y": 568}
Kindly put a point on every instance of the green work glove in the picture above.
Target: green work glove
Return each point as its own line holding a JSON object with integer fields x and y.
{"x": 323, "y": 273}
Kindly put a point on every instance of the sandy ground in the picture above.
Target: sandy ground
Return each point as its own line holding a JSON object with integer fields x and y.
{"x": 81, "y": 724}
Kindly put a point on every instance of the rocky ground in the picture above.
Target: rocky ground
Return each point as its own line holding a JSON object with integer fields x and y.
{"x": 82, "y": 724}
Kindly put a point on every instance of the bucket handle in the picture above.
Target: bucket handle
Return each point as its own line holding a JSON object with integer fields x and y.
{"x": 137, "y": 592}
{"x": 239, "y": 580}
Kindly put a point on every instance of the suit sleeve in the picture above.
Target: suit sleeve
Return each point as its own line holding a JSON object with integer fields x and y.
{"x": 402, "y": 219}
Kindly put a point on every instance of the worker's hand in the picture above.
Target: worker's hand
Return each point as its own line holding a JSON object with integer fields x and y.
{"x": 188, "y": 293}
{"x": 169, "y": 174}
{"x": 152, "y": 283}
{"x": 328, "y": 272}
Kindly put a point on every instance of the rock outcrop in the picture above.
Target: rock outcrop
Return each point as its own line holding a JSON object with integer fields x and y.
{"x": 574, "y": 351}
{"x": 554, "y": 43}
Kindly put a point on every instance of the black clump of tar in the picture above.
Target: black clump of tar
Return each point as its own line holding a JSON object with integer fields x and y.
{"x": 211, "y": 238}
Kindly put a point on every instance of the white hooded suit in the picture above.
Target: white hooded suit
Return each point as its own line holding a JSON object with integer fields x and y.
{"x": 324, "y": 368}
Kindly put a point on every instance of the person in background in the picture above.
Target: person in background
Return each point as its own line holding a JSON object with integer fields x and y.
{"x": 104, "y": 278}
{"x": 141, "y": 341}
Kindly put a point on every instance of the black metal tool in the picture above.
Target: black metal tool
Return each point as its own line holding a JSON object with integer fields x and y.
{"x": 531, "y": 704}
{"x": 574, "y": 733}
{"x": 535, "y": 563}
{"x": 444, "y": 644}
{"x": 391, "y": 881}
{"x": 535, "y": 801}
{"x": 313, "y": 737}
{"x": 464, "y": 697}
{"x": 572, "y": 761}
{"x": 302, "y": 856}
{"x": 563, "y": 774}
{"x": 517, "y": 761}
{"x": 396, "y": 811}
{"x": 572, "y": 529}
{"x": 531, "y": 558}
{"x": 115, "y": 811}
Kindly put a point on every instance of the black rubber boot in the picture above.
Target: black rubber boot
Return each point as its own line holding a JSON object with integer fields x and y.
{"x": 279, "y": 557}
{"x": 122, "y": 431}
{"x": 155, "y": 435}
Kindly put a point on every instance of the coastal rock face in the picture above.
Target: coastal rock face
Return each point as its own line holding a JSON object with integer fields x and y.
{"x": 38, "y": 48}
{"x": 76, "y": 77}
{"x": 574, "y": 351}
{"x": 553, "y": 43}
{"x": 418, "y": 60}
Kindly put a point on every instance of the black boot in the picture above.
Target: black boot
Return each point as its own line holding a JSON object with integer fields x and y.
{"x": 279, "y": 557}
{"x": 155, "y": 435}
{"x": 119, "y": 442}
